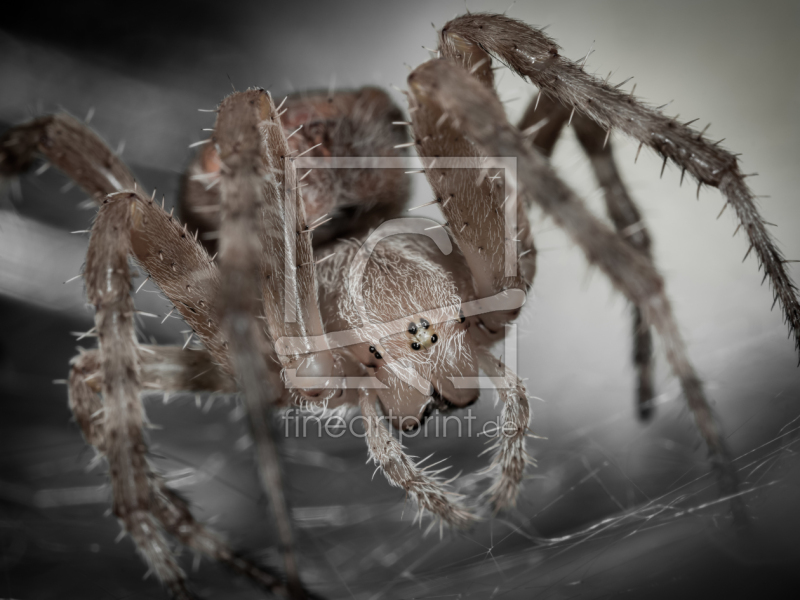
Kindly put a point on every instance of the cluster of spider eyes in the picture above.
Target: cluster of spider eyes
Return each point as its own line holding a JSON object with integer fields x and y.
{"x": 421, "y": 335}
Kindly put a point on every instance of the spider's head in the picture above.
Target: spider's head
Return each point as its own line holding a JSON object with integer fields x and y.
{"x": 403, "y": 288}
{"x": 441, "y": 354}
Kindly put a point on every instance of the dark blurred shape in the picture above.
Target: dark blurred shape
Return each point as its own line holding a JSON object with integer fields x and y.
{"x": 136, "y": 38}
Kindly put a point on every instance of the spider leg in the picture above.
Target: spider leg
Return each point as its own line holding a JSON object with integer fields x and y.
{"x": 621, "y": 208}
{"x": 480, "y": 116}
{"x": 170, "y": 368}
{"x": 269, "y": 228}
{"x": 423, "y": 486}
{"x": 532, "y": 54}
{"x": 69, "y": 145}
{"x": 473, "y": 200}
{"x": 108, "y": 286}
{"x": 544, "y": 119}
{"x": 182, "y": 269}
{"x": 630, "y": 225}
{"x": 175, "y": 261}
{"x": 167, "y": 369}
{"x": 243, "y": 118}
{"x": 164, "y": 368}
{"x": 520, "y": 243}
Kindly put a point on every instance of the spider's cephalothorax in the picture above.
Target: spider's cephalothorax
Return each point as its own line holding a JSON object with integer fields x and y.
{"x": 273, "y": 307}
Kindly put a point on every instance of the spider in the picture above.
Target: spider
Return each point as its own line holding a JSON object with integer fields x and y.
{"x": 260, "y": 322}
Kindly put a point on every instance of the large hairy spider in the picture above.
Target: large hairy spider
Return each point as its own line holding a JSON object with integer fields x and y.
{"x": 289, "y": 313}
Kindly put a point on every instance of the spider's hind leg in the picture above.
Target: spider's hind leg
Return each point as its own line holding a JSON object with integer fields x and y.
{"x": 630, "y": 225}
{"x": 552, "y": 116}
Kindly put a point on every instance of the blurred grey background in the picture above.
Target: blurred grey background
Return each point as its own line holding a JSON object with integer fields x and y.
{"x": 615, "y": 506}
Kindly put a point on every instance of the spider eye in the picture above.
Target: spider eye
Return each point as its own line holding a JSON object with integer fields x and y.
{"x": 434, "y": 338}
{"x": 415, "y": 346}
{"x": 461, "y": 316}
{"x": 424, "y": 323}
{"x": 412, "y": 328}
{"x": 372, "y": 349}
{"x": 378, "y": 355}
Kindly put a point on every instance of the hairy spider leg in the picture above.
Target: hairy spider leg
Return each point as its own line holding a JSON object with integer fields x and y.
{"x": 480, "y": 115}
{"x": 535, "y": 56}
{"x": 166, "y": 369}
{"x": 550, "y": 116}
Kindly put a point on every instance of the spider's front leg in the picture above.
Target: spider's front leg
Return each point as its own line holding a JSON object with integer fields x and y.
{"x": 258, "y": 242}
{"x": 480, "y": 115}
{"x": 498, "y": 250}
{"x": 265, "y": 241}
